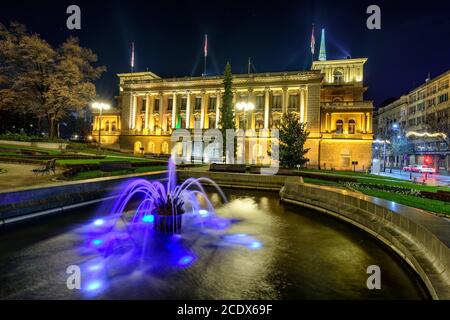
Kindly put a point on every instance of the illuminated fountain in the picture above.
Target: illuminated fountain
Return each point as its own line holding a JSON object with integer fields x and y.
{"x": 155, "y": 228}
{"x": 164, "y": 204}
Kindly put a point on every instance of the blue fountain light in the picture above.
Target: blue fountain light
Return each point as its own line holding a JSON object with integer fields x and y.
{"x": 97, "y": 242}
{"x": 99, "y": 222}
{"x": 95, "y": 267}
{"x": 148, "y": 218}
{"x": 255, "y": 245}
{"x": 95, "y": 285}
{"x": 186, "y": 260}
{"x": 129, "y": 238}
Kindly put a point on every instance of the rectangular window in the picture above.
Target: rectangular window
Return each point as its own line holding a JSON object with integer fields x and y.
{"x": 156, "y": 109}
{"x": 259, "y": 102}
{"x": 276, "y": 102}
{"x": 183, "y": 104}
{"x": 293, "y": 101}
{"x": 198, "y": 104}
{"x": 212, "y": 104}
{"x": 443, "y": 98}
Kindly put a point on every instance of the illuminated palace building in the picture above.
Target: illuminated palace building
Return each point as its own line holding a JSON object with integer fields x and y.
{"x": 329, "y": 98}
{"x": 422, "y": 116}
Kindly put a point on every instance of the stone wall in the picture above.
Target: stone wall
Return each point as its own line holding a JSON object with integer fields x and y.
{"x": 241, "y": 180}
{"x": 38, "y": 201}
{"x": 418, "y": 237}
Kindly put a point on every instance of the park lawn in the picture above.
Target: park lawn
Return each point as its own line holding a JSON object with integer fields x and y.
{"x": 404, "y": 184}
{"x": 10, "y": 146}
{"x": 322, "y": 182}
{"x": 411, "y": 201}
{"x": 97, "y": 161}
{"x": 415, "y": 202}
{"x": 100, "y": 174}
{"x": 376, "y": 179}
{"x": 350, "y": 174}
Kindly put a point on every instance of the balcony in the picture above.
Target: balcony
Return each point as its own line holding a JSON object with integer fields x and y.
{"x": 350, "y": 105}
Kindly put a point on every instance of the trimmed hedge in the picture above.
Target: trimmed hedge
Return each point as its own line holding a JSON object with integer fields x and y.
{"x": 26, "y": 138}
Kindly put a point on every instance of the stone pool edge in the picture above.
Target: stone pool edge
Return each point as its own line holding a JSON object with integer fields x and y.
{"x": 416, "y": 244}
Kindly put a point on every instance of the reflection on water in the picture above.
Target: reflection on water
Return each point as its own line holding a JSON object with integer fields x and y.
{"x": 263, "y": 250}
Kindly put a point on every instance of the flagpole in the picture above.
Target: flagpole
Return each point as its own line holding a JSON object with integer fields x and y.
{"x": 204, "y": 67}
{"x": 313, "y": 45}
{"x": 205, "y": 54}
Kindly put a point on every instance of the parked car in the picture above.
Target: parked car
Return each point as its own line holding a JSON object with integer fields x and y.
{"x": 410, "y": 168}
{"x": 425, "y": 169}
{"x": 419, "y": 169}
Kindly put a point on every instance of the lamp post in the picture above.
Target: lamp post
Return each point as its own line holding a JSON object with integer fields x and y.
{"x": 100, "y": 106}
{"x": 245, "y": 106}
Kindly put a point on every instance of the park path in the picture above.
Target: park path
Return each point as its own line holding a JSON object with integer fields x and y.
{"x": 21, "y": 176}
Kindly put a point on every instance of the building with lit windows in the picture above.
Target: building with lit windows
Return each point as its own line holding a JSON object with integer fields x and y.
{"x": 329, "y": 98}
{"x": 422, "y": 116}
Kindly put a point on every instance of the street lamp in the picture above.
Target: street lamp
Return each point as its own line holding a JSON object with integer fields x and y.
{"x": 245, "y": 106}
{"x": 100, "y": 106}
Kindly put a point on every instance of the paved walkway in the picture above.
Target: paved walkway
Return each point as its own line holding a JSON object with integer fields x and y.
{"x": 20, "y": 175}
{"x": 431, "y": 179}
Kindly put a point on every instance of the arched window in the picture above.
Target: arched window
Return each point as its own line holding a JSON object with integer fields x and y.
{"x": 137, "y": 147}
{"x": 113, "y": 126}
{"x": 212, "y": 122}
{"x": 339, "y": 127}
{"x": 151, "y": 147}
{"x": 345, "y": 158}
{"x": 338, "y": 76}
{"x": 276, "y": 122}
{"x": 259, "y": 123}
{"x": 165, "y": 148}
{"x": 107, "y": 125}
{"x": 242, "y": 122}
{"x": 351, "y": 126}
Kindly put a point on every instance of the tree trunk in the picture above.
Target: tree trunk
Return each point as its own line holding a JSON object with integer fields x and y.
{"x": 51, "y": 127}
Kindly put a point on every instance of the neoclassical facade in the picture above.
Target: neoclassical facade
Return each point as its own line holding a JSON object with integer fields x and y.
{"x": 329, "y": 98}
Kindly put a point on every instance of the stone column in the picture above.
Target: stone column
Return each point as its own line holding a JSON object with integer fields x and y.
{"x": 327, "y": 129}
{"x": 147, "y": 111}
{"x": 161, "y": 110}
{"x": 218, "y": 100}
{"x": 174, "y": 110}
{"x": 363, "y": 124}
{"x": 164, "y": 113}
{"x": 188, "y": 110}
{"x": 151, "y": 120}
{"x": 369, "y": 122}
{"x": 266, "y": 108}
{"x": 302, "y": 105}
{"x": 203, "y": 111}
{"x": 284, "y": 100}
{"x": 133, "y": 112}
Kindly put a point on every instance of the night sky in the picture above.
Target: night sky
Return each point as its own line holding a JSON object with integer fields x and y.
{"x": 169, "y": 36}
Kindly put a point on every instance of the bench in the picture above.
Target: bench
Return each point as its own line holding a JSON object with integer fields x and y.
{"x": 220, "y": 167}
{"x": 49, "y": 166}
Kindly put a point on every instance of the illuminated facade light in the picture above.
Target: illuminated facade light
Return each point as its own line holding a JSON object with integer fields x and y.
{"x": 426, "y": 134}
